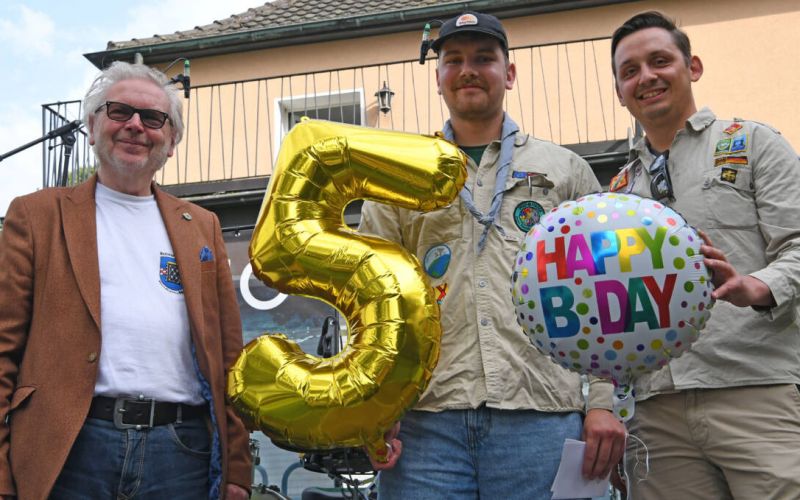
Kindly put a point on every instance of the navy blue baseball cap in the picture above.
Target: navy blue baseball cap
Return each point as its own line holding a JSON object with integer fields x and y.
{"x": 473, "y": 22}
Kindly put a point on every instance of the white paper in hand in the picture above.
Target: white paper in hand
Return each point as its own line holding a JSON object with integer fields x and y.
{"x": 569, "y": 482}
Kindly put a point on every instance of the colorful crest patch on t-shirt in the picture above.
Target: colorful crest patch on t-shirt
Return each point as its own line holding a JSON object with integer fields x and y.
{"x": 527, "y": 214}
{"x": 169, "y": 275}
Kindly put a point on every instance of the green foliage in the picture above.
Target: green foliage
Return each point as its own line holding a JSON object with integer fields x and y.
{"x": 80, "y": 174}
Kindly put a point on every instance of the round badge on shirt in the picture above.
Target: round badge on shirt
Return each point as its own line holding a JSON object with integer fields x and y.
{"x": 527, "y": 214}
{"x": 437, "y": 260}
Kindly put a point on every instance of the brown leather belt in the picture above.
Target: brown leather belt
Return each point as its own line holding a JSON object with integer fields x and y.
{"x": 141, "y": 413}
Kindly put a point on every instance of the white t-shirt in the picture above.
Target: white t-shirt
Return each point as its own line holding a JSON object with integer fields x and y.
{"x": 146, "y": 343}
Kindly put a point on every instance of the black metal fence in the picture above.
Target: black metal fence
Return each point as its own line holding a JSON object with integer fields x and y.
{"x": 564, "y": 93}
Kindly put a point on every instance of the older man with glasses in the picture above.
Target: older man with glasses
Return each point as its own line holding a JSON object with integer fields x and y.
{"x": 723, "y": 420}
{"x": 118, "y": 318}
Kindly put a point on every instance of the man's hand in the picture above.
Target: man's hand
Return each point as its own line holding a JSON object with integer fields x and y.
{"x": 235, "y": 492}
{"x": 730, "y": 286}
{"x": 605, "y": 443}
{"x": 395, "y": 447}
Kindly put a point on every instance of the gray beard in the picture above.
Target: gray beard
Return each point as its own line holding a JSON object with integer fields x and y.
{"x": 153, "y": 163}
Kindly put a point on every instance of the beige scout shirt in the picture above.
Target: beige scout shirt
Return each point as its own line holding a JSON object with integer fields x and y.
{"x": 740, "y": 183}
{"x": 485, "y": 356}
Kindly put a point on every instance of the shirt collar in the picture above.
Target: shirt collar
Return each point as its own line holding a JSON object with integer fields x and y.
{"x": 696, "y": 123}
{"x": 701, "y": 120}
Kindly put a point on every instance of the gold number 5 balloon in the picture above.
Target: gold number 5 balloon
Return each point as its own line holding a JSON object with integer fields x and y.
{"x": 301, "y": 246}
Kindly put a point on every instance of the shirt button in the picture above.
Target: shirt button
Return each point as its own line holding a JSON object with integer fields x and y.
{"x": 484, "y": 322}
{"x": 479, "y": 183}
{"x": 706, "y": 183}
{"x": 92, "y": 357}
{"x": 482, "y": 283}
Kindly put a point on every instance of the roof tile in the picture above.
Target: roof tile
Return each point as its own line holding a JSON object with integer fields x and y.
{"x": 281, "y": 13}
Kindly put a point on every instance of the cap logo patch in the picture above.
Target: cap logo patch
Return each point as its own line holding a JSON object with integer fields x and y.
{"x": 466, "y": 20}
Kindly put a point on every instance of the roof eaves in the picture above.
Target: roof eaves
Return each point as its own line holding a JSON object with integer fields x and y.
{"x": 332, "y": 29}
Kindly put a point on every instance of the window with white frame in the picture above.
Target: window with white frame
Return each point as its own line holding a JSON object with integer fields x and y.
{"x": 342, "y": 107}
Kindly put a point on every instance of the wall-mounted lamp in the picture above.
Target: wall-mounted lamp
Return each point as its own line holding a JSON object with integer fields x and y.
{"x": 384, "y": 96}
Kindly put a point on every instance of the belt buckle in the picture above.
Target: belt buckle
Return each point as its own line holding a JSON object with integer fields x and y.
{"x": 119, "y": 412}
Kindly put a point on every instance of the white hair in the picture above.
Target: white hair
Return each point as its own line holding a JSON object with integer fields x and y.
{"x": 120, "y": 71}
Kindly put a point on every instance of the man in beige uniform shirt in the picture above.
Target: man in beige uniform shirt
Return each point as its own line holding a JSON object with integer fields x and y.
{"x": 494, "y": 418}
{"x": 723, "y": 420}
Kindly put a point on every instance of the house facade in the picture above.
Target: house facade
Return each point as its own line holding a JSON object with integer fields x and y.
{"x": 255, "y": 74}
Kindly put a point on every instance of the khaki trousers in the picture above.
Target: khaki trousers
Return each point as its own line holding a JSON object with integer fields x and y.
{"x": 713, "y": 444}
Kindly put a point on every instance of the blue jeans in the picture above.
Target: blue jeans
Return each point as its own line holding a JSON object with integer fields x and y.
{"x": 482, "y": 453}
{"x": 165, "y": 462}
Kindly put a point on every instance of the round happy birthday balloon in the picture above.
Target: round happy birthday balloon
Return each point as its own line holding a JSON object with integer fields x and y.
{"x": 612, "y": 285}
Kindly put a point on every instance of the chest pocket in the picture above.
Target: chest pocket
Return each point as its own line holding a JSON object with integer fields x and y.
{"x": 439, "y": 226}
{"x": 525, "y": 201}
{"x": 729, "y": 195}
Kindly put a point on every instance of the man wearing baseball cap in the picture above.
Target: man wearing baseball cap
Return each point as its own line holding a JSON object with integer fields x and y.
{"x": 494, "y": 418}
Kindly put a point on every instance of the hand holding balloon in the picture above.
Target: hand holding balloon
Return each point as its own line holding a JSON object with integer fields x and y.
{"x": 741, "y": 290}
{"x": 395, "y": 447}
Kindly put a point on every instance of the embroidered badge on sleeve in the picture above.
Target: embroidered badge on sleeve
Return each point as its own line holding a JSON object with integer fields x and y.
{"x": 739, "y": 144}
{"x": 733, "y": 128}
{"x": 728, "y": 175}
{"x": 723, "y": 146}
{"x": 730, "y": 160}
{"x": 619, "y": 181}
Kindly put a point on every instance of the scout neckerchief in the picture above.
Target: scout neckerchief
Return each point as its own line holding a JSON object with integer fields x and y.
{"x": 507, "y": 136}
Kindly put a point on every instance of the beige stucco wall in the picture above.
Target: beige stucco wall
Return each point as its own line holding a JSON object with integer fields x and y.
{"x": 564, "y": 92}
{"x": 749, "y": 49}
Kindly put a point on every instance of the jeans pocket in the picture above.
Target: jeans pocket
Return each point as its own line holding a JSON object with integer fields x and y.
{"x": 192, "y": 438}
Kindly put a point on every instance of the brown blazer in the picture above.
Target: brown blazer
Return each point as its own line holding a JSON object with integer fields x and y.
{"x": 50, "y": 329}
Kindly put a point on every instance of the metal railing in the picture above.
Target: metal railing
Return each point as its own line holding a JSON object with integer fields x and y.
{"x": 564, "y": 93}
{"x": 67, "y": 159}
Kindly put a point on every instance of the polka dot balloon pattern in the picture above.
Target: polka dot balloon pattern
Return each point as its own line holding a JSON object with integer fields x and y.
{"x": 611, "y": 285}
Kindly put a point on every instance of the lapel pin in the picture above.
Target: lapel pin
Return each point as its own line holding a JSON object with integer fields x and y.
{"x": 187, "y": 216}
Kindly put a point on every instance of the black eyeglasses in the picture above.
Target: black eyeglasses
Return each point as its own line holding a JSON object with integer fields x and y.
{"x": 121, "y": 112}
{"x": 660, "y": 183}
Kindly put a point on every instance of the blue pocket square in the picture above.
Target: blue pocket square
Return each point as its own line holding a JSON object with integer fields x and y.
{"x": 206, "y": 254}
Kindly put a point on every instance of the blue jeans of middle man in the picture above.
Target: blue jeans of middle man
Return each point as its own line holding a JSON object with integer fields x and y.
{"x": 478, "y": 454}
